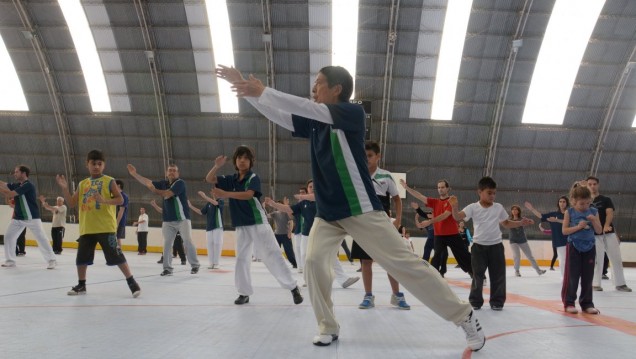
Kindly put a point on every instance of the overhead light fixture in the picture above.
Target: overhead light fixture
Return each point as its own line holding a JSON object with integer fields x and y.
{"x": 344, "y": 35}
{"x": 87, "y": 53}
{"x": 11, "y": 94}
{"x": 222, "y": 50}
{"x": 450, "y": 58}
{"x": 564, "y": 43}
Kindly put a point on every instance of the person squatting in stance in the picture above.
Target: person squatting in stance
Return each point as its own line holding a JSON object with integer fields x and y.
{"x": 26, "y": 214}
{"x": 346, "y": 199}
{"x": 175, "y": 213}
{"x": 253, "y": 231}
{"x": 446, "y": 229}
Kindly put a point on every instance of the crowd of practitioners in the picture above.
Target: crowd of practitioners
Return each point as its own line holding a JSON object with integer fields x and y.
{"x": 347, "y": 195}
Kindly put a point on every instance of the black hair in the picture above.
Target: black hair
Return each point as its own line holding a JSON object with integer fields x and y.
{"x": 487, "y": 183}
{"x": 372, "y": 146}
{"x": 24, "y": 169}
{"x": 338, "y": 75}
{"x": 593, "y": 178}
{"x": 120, "y": 183}
{"x": 96, "y": 155}
{"x": 567, "y": 202}
{"x": 243, "y": 150}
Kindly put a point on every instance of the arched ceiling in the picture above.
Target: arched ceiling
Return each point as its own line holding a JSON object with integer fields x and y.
{"x": 534, "y": 162}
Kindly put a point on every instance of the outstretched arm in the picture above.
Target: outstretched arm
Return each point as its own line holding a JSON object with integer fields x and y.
{"x": 209, "y": 199}
{"x": 311, "y": 197}
{"x": 46, "y": 205}
{"x": 279, "y": 206}
{"x": 194, "y": 209}
{"x": 165, "y": 193}
{"x": 515, "y": 224}
{"x": 413, "y": 192}
{"x": 269, "y": 101}
{"x": 529, "y": 206}
{"x": 156, "y": 206}
{"x": 4, "y": 190}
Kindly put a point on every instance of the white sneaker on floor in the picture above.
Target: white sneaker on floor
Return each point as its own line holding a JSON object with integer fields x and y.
{"x": 350, "y": 281}
{"x": 325, "y": 340}
{"x": 475, "y": 336}
{"x": 52, "y": 264}
{"x": 8, "y": 264}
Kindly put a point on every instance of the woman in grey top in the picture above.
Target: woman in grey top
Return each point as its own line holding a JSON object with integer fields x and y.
{"x": 519, "y": 242}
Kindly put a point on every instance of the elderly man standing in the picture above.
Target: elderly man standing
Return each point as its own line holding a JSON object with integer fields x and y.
{"x": 58, "y": 223}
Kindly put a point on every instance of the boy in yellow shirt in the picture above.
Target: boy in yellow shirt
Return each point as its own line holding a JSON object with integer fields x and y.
{"x": 97, "y": 197}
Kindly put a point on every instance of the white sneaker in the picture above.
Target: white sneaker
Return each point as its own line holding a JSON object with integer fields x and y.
{"x": 350, "y": 281}
{"x": 300, "y": 270}
{"x": 474, "y": 334}
{"x": 325, "y": 340}
{"x": 52, "y": 264}
{"x": 8, "y": 264}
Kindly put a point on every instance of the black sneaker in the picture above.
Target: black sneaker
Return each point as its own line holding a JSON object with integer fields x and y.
{"x": 134, "y": 289}
{"x": 77, "y": 290}
{"x": 497, "y": 308}
{"x": 242, "y": 299}
{"x": 160, "y": 260}
{"x": 194, "y": 270}
{"x": 166, "y": 273}
{"x": 298, "y": 298}
{"x": 183, "y": 263}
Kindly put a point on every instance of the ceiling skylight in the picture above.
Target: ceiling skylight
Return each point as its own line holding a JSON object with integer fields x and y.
{"x": 564, "y": 43}
{"x": 11, "y": 94}
{"x": 222, "y": 49}
{"x": 450, "y": 58}
{"x": 344, "y": 35}
{"x": 87, "y": 53}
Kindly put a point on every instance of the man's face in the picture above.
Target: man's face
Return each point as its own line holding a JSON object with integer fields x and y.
{"x": 172, "y": 173}
{"x": 95, "y": 167}
{"x": 442, "y": 189}
{"x": 19, "y": 175}
{"x": 142, "y": 210}
{"x": 59, "y": 202}
{"x": 372, "y": 159}
{"x": 321, "y": 93}
{"x": 592, "y": 185}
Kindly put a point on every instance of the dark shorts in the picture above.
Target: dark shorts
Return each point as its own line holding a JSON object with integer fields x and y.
{"x": 108, "y": 241}
{"x": 358, "y": 253}
{"x": 121, "y": 232}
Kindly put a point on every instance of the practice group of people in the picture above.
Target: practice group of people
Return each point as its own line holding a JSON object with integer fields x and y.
{"x": 348, "y": 194}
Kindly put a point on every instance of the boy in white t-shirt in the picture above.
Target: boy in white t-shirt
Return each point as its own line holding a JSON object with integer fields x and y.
{"x": 487, "y": 251}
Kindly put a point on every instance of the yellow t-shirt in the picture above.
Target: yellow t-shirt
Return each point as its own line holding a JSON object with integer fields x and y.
{"x": 96, "y": 217}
